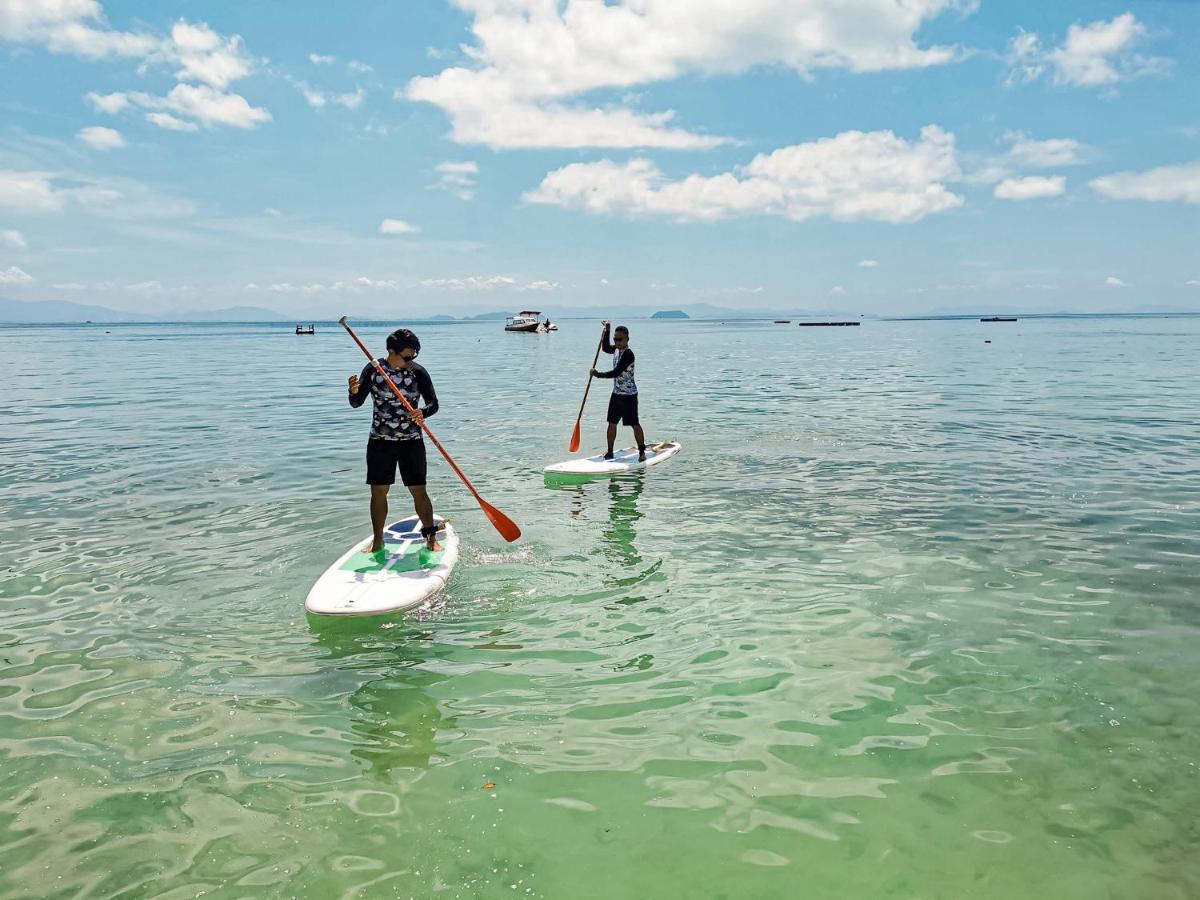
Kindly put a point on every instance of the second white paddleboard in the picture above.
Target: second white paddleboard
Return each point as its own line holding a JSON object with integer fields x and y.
{"x": 623, "y": 461}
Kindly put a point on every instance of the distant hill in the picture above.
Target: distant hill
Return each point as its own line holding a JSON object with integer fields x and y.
{"x": 671, "y": 314}
{"x": 492, "y": 315}
{"x": 57, "y": 312}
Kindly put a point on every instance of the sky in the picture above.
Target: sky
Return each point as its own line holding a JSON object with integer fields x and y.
{"x": 862, "y": 156}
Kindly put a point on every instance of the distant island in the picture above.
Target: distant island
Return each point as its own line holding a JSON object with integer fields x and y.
{"x": 670, "y": 314}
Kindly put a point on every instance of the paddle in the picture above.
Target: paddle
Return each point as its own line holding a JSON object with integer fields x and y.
{"x": 507, "y": 527}
{"x": 579, "y": 418}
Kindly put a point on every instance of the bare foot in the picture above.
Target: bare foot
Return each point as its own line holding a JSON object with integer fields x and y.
{"x": 432, "y": 543}
{"x": 372, "y": 547}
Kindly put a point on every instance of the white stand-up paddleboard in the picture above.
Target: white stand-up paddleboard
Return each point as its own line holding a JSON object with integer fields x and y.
{"x": 623, "y": 461}
{"x": 398, "y": 577}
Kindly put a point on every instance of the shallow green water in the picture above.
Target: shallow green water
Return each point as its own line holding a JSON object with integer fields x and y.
{"x": 912, "y": 615}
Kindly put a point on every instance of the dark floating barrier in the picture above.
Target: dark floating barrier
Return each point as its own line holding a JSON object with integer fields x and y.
{"x": 783, "y": 321}
{"x": 827, "y": 324}
{"x": 311, "y": 329}
{"x": 998, "y": 319}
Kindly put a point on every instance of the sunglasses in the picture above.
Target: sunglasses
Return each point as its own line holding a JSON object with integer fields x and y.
{"x": 620, "y": 339}
{"x": 408, "y": 358}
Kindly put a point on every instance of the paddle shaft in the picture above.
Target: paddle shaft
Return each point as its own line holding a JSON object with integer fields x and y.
{"x": 595, "y": 360}
{"x": 411, "y": 410}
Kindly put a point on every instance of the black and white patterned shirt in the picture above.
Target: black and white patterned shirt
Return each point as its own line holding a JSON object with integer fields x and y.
{"x": 391, "y": 421}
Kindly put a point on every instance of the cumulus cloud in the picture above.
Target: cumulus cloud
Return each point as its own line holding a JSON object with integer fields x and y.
{"x": 29, "y": 192}
{"x": 318, "y": 59}
{"x": 108, "y": 103}
{"x": 199, "y": 103}
{"x": 100, "y": 138}
{"x": 1031, "y": 188}
{"x": 10, "y": 237}
{"x": 170, "y": 123}
{"x": 354, "y": 286}
{"x": 14, "y": 275}
{"x": 1164, "y": 184}
{"x": 1113, "y": 281}
{"x": 868, "y": 264}
{"x": 1192, "y": 282}
{"x": 533, "y": 59}
{"x": 319, "y": 99}
{"x": 1029, "y": 153}
{"x": 471, "y": 283}
{"x": 205, "y": 62}
{"x": 1096, "y": 55}
{"x": 853, "y": 176}
{"x": 397, "y": 226}
{"x": 458, "y": 178}
{"x": 206, "y": 56}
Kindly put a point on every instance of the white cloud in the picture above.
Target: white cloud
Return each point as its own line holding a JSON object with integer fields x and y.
{"x": 837, "y": 291}
{"x": 321, "y": 60}
{"x": 458, "y": 178}
{"x": 868, "y": 264}
{"x": 99, "y": 138}
{"x": 1163, "y": 184}
{"x": 1193, "y": 282}
{"x": 853, "y": 176}
{"x": 13, "y": 275}
{"x": 539, "y": 286}
{"x": 10, "y": 237}
{"x": 170, "y": 123}
{"x": 1031, "y": 188}
{"x": 354, "y": 286}
{"x": 145, "y": 287}
{"x": 70, "y": 286}
{"x": 1113, "y": 281}
{"x": 319, "y": 99}
{"x": 1096, "y": 55}
{"x": 1029, "y": 153}
{"x": 533, "y": 58}
{"x": 206, "y": 105}
{"x": 29, "y": 192}
{"x": 208, "y": 57}
{"x": 397, "y": 226}
{"x": 108, "y": 103}
{"x": 359, "y": 67}
{"x": 471, "y": 283}
{"x": 78, "y": 27}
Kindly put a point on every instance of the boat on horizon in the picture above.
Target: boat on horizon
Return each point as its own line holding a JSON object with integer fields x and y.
{"x": 527, "y": 321}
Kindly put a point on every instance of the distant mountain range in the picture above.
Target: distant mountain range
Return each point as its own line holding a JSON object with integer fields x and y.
{"x": 62, "y": 311}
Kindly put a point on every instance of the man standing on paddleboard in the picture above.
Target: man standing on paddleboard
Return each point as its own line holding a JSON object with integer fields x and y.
{"x": 396, "y": 441}
{"x": 623, "y": 406}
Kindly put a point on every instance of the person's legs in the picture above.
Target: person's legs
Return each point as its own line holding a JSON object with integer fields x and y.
{"x": 641, "y": 441}
{"x": 423, "y": 504}
{"x": 413, "y": 467}
{"x": 381, "y": 475}
{"x": 612, "y": 438}
{"x": 379, "y": 511}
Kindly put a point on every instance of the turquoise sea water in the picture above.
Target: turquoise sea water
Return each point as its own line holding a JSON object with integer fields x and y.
{"x": 911, "y": 615}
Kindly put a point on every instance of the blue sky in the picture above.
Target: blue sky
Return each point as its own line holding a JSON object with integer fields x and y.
{"x": 874, "y": 156}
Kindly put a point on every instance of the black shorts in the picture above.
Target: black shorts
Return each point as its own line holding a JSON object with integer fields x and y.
{"x": 623, "y": 408}
{"x": 384, "y": 457}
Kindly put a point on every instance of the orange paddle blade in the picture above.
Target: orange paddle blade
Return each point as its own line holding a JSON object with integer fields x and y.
{"x": 507, "y": 527}
{"x": 575, "y": 439}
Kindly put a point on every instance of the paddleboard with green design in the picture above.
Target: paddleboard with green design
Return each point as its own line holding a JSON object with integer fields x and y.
{"x": 398, "y": 577}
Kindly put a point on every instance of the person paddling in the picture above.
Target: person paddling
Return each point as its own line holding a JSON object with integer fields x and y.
{"x": 623, "y": 405}
{"x": 396, "y": 440}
